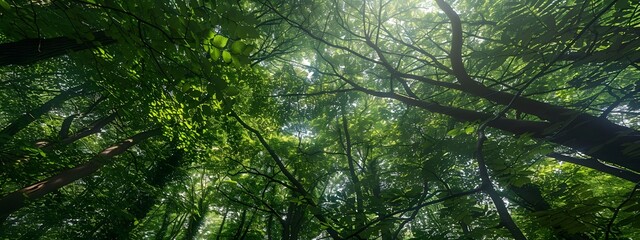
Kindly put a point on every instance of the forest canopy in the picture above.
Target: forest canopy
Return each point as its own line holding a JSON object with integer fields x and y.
{"x": 319, "y": 119}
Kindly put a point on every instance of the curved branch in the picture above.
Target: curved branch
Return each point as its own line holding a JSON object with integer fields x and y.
{"x": 487, "y": 186}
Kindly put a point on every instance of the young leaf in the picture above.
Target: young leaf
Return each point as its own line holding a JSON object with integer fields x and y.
{"x": 226, "y": 56}
{"x": 5, "y": 5}
{"x": 214, "y": 53}
{"x": 220, "y": 41}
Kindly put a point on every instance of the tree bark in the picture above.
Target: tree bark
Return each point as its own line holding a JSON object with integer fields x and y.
{"x": 590, "y": 135}
{"x": 224, "y": 219}
{"x": 297, "y": 185}
{"x": 29, "y": 51}
{"x": 487, "y": 186}
{"x": 94, "y": 128}
{"x": 16, "y": 200}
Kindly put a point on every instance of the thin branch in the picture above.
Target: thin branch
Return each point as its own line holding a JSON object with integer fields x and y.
{"x": 598, "y": 166}
{"x": 417, "y": 207}
{"x": 298, "y": 187}
{"x": 617, "y": 211}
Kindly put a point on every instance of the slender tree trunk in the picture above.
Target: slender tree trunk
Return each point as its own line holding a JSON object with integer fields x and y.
{"x": 243, "y": 218}
{"x": 16, "y": 200}
{"x": 385, "y": 229}
{"x": 269, "y": 228}
{"x": 28, "y": 51}
{"x": 224, "y": 219}
{"x": 23, "y": 121}
{"x": 159, "y": 235}
{"x": 297, "y": 185}
{"x": 142, "y": 203}
{"x": 355, "y": 181}
{"x": 293, "y": 223}
{"x": 487, "y": 186}
{"x": 248, "y": 225}
{"x": 196, "y": 220}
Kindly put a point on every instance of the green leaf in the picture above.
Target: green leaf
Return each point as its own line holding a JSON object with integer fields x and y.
{"x": 214, "y": 53}
{"x": 453, "y": 132}
{"x": 220, "y": 41}
{"x": 226, "y": 56}
{"x": 210, "y": 35}
{"x": 469, "y": 129}
{"x": 238, "y": 47}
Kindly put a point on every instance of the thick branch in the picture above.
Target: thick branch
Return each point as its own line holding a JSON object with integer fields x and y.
{"x": 29, "y": 51}
{"x": 94, "y": 128}
{"x": 16, "y": 200}
{"x": 594, "y": 164}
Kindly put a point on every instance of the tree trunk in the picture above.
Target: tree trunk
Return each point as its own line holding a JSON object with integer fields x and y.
{"x": 224, "y": 219}
{"x": 594, "y": 164}
{"x": 196, "y": 219}
{"x": 355, "y": 181}
{"x": 376, "y": 190}
{"x": 243, "y": 218}
{"x": 292, "y": 224}
{"x": 16, "y": 200}
{"x": 28, "y": 51}
{"x": 142, "y": 203}
{"x": 14, "y": 127}
{"x": 159, "y": 235}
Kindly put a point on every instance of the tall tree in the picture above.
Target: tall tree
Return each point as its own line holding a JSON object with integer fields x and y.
{"x": 319, "y": 119}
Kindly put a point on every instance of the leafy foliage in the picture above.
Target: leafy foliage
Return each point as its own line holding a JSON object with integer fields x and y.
{"x": 319, "y": 119}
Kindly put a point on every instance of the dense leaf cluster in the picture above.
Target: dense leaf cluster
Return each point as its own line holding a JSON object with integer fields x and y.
{"x": 195, "y": 119}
